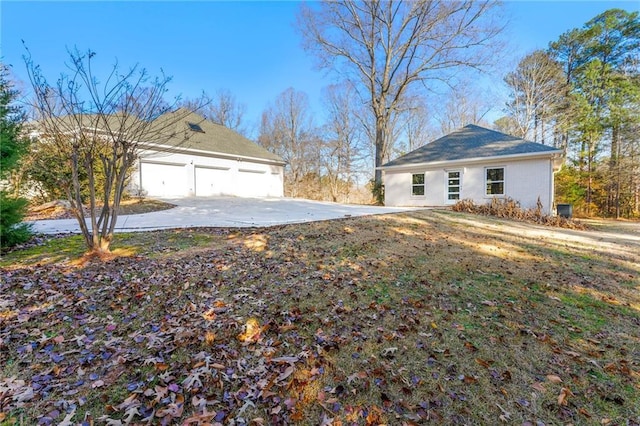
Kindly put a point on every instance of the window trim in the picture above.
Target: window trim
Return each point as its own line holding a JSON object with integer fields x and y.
{"x": 503, "y": 181}
{"x": 417, "y": 185}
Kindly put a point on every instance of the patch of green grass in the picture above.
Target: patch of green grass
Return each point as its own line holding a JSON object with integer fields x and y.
{"x": 68, "y": 248}
{"x": 379, "y": 292}
{"x": 53, "y": 250}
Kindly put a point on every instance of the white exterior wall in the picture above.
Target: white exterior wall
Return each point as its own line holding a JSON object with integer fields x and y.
{"x": 183, "y": 174}
{"x": 525, "y": 181}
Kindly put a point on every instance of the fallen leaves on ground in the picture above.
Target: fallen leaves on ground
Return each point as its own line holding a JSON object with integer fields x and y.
{"x": 383, "y": 320}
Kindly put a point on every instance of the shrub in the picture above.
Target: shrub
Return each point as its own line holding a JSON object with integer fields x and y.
{"x": 12, "y": 231}
{"x": 12, "y": 148}
{"x": 510, "y": 209}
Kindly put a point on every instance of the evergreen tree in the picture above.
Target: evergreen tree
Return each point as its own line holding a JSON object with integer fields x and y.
{"x": 600, "y": 63}
{"x": 12, "y": 147}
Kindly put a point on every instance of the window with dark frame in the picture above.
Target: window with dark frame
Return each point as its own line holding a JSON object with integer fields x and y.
{"x": 417, "y": 184}
{"x": 495, "y": 181}
{"x": 453, "y": 185}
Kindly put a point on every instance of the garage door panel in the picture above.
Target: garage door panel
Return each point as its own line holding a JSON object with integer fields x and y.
{"x": 212, "y": 181}
{"x": 251, "y": 182}
{"x": 163, "y": 179}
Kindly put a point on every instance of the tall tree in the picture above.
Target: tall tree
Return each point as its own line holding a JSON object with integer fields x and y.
{"x": 287, "y": 129}
{"x": 600, "y": 61}
{"x": 13, "y": 146}
{"x": 98, "y": 129}
{"x": 388, "y": 47}
{"x": 462, "y": 105}
{"x": 538, "y": 91}
{"x": 342, "y": 146}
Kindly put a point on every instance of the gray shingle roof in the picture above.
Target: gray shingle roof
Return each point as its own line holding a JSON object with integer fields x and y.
{"x": 214, "y": 138}
{"x": 170, "y": 129}
{"x": 469, "y": 142}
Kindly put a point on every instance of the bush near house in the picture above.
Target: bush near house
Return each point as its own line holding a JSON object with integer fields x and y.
{"x": 509, "y": 208}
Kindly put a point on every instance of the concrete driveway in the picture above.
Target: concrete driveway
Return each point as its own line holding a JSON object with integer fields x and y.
{"x": 226, "y": 212}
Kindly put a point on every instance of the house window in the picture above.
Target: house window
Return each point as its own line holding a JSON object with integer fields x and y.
{"x": 417, "y": 184}
{"x": 495, "y": 181}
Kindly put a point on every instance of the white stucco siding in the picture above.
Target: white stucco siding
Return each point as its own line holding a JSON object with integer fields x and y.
{"x": 524, "y": 181}
{"x": 194, "y": 175}
{"x": 398, "y": 188}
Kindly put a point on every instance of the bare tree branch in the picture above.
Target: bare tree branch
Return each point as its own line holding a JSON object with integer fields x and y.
{"x": 99, "y": 130}
{"x": 388, "y": 47}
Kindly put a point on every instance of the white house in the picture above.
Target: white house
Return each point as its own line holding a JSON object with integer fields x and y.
{"x": 473, "y": 163}
{"x": 214, "y": 160}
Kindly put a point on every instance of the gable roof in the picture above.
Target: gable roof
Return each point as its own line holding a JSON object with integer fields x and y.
{"x": 471, "y": 142}
{"x": 207, "y": 136}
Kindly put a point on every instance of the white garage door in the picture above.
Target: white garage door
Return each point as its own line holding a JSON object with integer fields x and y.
{"x": 251, "y": 183}
{"x": 212, "y": 181}
{"x": 163, "y": 179}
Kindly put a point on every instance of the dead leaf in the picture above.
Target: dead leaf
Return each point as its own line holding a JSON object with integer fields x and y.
{"x": 252, "y": 331}
{"x": 284, "y": 375}
{"x": 553, "y": 378}
{"x": 539, "y": 387}
{"x": 97, "y": 384}
{"x": 565, "y": 393}
{"x": 484, "y": 363}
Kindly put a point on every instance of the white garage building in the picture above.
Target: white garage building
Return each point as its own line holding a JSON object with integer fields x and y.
{"x": 201, "y": 159}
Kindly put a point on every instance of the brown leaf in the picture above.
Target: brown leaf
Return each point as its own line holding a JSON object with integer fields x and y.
{"x": 284, "y": 375}
{"x": 484, "y": 363}
{"x": 539, "y": 387}
{"x": 565, "y": 393}
{"x": 584, "y": 413}
{"x": 553, "y": 378}
{"x": 470, "y": 346}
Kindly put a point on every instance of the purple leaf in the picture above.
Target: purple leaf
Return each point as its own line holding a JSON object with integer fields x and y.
{"x": 220, "y": 415}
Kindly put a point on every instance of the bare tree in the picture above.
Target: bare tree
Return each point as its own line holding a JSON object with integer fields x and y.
{"x": 460, "y": 106}
{"x": 538, "y": 91}
{"x": 388, "y": 47}
{"x": 287, "y": 129}
{"x": 417, "y": 128}
{"x": 222, "y": 108}
{"x": 342, "y": 149}
{"x": 99, "y": 130}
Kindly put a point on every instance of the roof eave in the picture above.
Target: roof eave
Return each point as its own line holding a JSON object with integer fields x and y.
{"x": 188, "y": 150}
{"x": 477, "y": 160}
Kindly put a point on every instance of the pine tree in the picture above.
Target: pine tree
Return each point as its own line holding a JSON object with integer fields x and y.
{"x": 12, "y": 147}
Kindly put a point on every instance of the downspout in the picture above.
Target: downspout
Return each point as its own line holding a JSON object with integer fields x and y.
{"x": 552, "y": 186}
{"x": 552, "y": 192}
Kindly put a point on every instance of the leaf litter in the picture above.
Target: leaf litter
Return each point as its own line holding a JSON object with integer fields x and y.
{"x": 397, "y": 319}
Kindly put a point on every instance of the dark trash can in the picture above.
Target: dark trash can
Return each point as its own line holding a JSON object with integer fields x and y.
{"x": 565, "y": 210}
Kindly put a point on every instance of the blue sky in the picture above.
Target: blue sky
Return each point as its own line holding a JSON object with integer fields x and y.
{"x": 249, "y": 48}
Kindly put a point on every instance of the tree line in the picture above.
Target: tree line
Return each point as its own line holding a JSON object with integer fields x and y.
{"x": 582, "y": 95}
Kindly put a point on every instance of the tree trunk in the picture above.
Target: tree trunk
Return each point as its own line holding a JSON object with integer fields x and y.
{"x": 380, "y": 145}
